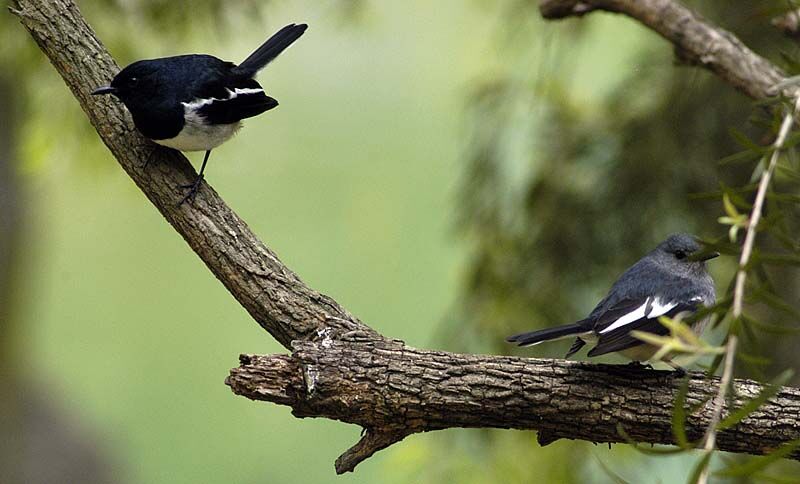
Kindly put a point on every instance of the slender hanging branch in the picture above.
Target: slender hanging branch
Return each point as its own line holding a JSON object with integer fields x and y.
{"x": 340, "y": 368}
{"x": 695, "y": 40}
{"x": 758, "y": 207}
{"x": 719, "y": 405}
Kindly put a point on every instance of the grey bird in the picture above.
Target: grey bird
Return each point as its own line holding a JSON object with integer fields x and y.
{"x": 671, "y": 280}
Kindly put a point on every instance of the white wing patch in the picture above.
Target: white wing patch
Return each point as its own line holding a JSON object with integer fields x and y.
{"x": 660, "y": 309}
{"x": 652, "y": 308}
{"x": 632, "y": 316}
{"x": 197, "y": 134}
{"x": 199, "y": 103}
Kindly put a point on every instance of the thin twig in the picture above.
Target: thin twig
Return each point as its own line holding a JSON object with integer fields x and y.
{"x": 755, "y": 216}
{"x": 741, "y": 276}
{"x": 719, "y": 403}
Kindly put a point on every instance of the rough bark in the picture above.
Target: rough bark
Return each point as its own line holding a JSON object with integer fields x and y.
{"x": 273, "y": 294}
{"x": 393, "y": 390}
{"x": 342, "y": 369}
{"x": 695, "y": 40}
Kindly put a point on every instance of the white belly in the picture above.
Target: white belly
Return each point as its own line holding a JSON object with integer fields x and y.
{"x": 642, "y": 352}
{"x": 197, "y": 136}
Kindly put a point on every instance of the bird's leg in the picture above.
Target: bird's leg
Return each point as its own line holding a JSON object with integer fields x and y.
{"x": 149, "y": 158}
{"x": 193, "y": 187}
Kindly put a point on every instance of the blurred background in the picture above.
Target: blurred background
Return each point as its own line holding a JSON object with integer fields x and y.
{"x": 491, "y": 171}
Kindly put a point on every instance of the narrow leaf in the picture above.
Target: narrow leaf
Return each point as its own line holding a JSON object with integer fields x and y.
{"x": 768, "y": 392}
{"x": 756, "y": 464}
{"x": 647, "y": 450}
{"x": 679, "y": 415}
{"x": 699, "y": 468}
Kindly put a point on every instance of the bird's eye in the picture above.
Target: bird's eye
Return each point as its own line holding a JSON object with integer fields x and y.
{"x": 680, "y": 254}
{"x": 134, "y": 80}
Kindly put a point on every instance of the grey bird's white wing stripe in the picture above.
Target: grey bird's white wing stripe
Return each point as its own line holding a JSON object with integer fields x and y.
{"x": 652, "y": 307}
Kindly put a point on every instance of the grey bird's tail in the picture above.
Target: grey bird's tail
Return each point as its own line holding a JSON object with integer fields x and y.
{"x": 270, "y": 49}
{"x": 549, "y": 334}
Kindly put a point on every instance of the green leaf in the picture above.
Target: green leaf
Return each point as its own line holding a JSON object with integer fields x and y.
{"x": 779, "y": 259}
{"x": 647, "y": 450}
{"x": 791, "y": 64}
{"x": 768, "y": 392}
{"x": 788, "y": 172}
{"x": 679, "y": 415}
{"x": 791, "y": 140}
{"x": 715, "y": 364}
{"x": 783, "y": 197}
{"x": 775, "y": 302}
{"x": 756, "y": 464}
{"x": 752, "y": 359}
{"x": 740, "y": 157}
{"x": 770, "y": 328}
{"x": 730, "y": 209}
{"x": 699, "y": 468}
{"x": 746, "y": 142}
{"x": 760, "y": 477}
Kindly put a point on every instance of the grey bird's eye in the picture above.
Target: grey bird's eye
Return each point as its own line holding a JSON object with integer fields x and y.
{"x": 680, "y": 254}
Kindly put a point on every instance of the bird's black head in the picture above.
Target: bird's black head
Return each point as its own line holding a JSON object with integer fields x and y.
{"x": 684, "y": 248}
{"x": 139, "y": 80}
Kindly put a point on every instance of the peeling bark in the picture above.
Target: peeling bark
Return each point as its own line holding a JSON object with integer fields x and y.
{"x": 340, "y": 368}
{"x": 393, "y": 390}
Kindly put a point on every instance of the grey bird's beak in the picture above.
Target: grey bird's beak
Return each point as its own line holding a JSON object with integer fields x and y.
{"x": 710, "y": 255}
{"x": 104, "y": 90}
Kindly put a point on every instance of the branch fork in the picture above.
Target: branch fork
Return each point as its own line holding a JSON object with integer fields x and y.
{"x": 341, "y": 368}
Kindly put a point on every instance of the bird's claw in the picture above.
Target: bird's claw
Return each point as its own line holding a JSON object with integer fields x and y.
{"x": 192, "y": 191}
{"x": 640, "y": 365}
{"x": 679, "y": 370}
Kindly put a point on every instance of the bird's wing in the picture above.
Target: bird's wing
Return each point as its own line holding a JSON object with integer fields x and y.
{"x": 229, "y": 100}
{"x": 614, "y": 326}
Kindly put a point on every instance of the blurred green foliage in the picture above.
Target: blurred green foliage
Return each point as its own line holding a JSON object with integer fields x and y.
{"x": 582, "y": 146}
{"x": 350, "y": 180}
{"x": 573, "y": 173}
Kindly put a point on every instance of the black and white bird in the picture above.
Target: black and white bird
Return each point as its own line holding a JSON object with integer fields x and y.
{"x": 669, "y": 281}
{"x": 196, "y": 102}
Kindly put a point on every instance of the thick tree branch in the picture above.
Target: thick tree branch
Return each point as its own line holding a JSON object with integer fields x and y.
{"x": 342, "y": 369}
{"x": 696, "y": 41}
{"x": 389, "y": 387}
{"x": 273, "y": 294}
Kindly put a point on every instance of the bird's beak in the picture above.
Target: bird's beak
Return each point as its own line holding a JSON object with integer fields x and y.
{"x": 710, "y": 255}
{"x": 104, "y": 90}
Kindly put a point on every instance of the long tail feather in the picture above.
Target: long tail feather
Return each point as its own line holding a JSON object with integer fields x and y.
{"x": 535, "y": 337}
{"x": 270, "y": 49}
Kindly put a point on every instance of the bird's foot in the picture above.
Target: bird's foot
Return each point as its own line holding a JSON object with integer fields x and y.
{"x": 639, "y": 365}
{"x": 192, "y": 190}
{"x": 679, "y": 370}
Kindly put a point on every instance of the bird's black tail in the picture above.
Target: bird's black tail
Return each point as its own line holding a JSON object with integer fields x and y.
{"x": 534, "y": 337}
{"x": 270, "y": 49}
